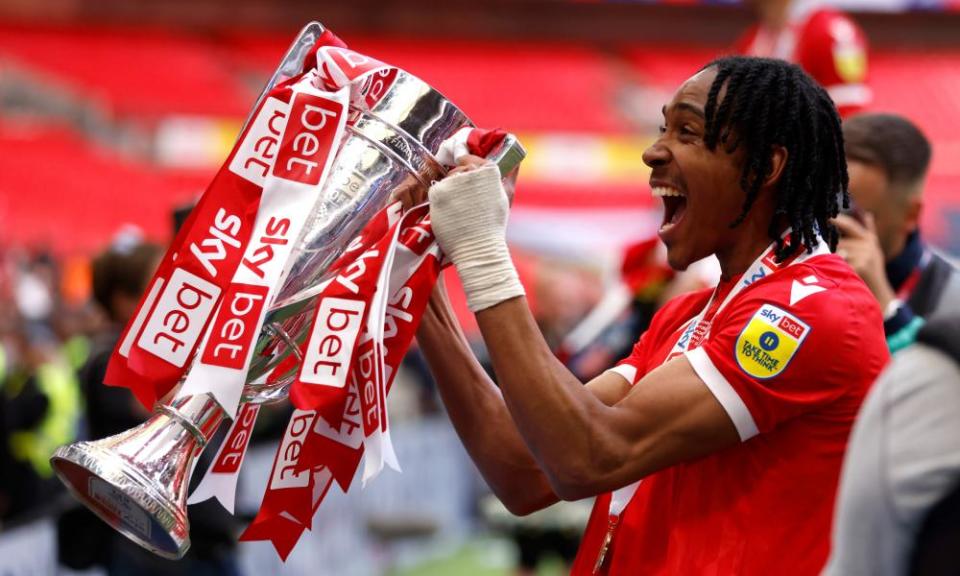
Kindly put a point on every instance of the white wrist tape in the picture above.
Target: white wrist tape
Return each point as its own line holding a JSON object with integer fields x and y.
{"x": 468, "y": 213}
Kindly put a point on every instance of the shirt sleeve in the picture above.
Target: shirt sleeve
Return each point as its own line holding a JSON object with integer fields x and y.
{"x": 767, "y": 362}
{"x": 633, "y": 367}
{"x": 637, "y": 363}
{"x": 833, "y": 50}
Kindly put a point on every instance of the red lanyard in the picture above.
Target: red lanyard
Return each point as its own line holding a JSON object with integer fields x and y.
{"x": 906, "y": 289}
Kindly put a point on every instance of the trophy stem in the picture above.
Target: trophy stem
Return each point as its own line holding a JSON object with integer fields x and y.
{"x": 199, "y": 415}
{"x": 137, "y": 480}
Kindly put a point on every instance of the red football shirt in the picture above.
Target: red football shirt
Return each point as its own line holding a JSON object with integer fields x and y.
{"x": 790, "y": 359}
{"x": 824, "y": 42}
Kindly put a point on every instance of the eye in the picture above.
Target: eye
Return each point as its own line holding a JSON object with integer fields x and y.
{"x": 687, "y": 131}
{"x": 662, "y": 129}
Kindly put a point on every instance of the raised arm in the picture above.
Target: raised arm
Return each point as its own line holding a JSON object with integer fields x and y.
{"x": 479, "y": 415}
{"x": 583, "y": 445}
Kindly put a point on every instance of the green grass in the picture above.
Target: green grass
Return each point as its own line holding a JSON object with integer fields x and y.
{"x": 478, "y": 559}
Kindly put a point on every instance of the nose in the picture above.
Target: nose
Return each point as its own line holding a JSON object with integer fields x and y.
{"x": 657, "y": 154}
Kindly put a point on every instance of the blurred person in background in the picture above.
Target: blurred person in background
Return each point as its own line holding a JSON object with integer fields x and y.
{"x": 724, "y": 411}
{"x": 41, "y": 402}
{"x": 825, "y": 42}
{"x": 120, "y": 276}
{"x": 888, "y": 158}
{"x": 623, "y": 313}
{"x": 898, "y": 507}
{"x": 41, "y": 410}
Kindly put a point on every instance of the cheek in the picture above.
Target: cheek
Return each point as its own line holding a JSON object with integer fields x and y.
{"x": 865, "y": 199}
{"x": 727, "y": 199}
{"x": 713, "y": 183}
{"x": 889, "y": 223}
{"x": 867, "y": 187}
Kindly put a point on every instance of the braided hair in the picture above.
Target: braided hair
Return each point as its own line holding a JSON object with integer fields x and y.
{"x": 772, "y": 103}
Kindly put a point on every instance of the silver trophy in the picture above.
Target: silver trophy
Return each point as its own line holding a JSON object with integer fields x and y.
{"x": 137, "y": 480}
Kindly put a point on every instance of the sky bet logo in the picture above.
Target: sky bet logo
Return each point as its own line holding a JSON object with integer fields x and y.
{"x": 308, "y": 139}
{"x": 179, "y": 317}
{"x": 769, "y": 341}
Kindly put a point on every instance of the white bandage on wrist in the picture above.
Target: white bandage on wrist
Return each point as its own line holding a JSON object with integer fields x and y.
{"x": 468, "y": 213}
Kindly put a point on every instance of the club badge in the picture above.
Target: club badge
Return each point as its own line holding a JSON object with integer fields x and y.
{"x": 769, "y": 341}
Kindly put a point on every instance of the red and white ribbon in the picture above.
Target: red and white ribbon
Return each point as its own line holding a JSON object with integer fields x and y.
{"x": 303, "y": 153}
{"x": 333, "y": 449}
{"x": 354, "y": 424}
{"x": 307, "y": 148}
{"x": 220, "y": 480}
{"x": 198, "y": 269}
{"x": 331, "y": 351}
{"x": 155, "y": 348}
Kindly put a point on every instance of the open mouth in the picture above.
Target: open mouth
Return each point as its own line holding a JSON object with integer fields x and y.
{"x": 674, "y": 206}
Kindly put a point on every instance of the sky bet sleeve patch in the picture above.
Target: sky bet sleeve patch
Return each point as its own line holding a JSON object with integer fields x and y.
{"x": 769, "y": 341}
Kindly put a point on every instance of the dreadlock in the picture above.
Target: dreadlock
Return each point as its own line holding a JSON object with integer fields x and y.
{"x": 772, "y": 103}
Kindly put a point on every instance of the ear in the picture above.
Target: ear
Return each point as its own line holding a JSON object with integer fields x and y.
{"x": 778, "y": 161}
{"x": 912, "y": 211}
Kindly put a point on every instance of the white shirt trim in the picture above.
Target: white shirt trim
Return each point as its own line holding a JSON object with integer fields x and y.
{"x": 724, "y": 393}
{"x": 627, "y": 371}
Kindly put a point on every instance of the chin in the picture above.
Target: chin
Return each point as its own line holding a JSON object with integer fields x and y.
{"x": 676, "y": 260}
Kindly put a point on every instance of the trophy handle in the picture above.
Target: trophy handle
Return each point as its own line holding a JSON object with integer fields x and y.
{"x": 291, "y": 63}
{"x": 508, "y": 155}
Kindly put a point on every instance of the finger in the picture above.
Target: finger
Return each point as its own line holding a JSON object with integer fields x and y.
{"x": 410, "y": 192}
{"x": 474, "y": 163}
{"x": 858, "y": 264}
{"x": 849, "y": 248}
{"x": 471, "y": 160}
{"x": 849, "y": 227}
{"x": 460, "y": 170}
{"x": 870, "y": 223}
{"x": 846, "y": 244}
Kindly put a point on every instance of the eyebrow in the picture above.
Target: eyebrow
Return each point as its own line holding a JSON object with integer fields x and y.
{"x": 695, "y": 110}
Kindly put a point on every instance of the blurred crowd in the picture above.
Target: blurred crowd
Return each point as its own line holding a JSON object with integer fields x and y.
{"x": 47, "y": 326}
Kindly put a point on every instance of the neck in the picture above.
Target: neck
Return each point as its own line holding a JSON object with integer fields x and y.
{"x": 773, "y": 14}
{"x": 735, "y": 259}
{"x": 900, "y": 267}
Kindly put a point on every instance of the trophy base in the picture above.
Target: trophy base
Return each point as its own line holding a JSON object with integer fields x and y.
{"x": 122, "y": 497}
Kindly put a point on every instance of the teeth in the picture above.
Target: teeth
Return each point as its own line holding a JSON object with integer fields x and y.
{"x": 661, "y": 191}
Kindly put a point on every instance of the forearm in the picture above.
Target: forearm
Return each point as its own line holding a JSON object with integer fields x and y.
{"x": 479, "y": 414}
{"x": 567, "y": 426}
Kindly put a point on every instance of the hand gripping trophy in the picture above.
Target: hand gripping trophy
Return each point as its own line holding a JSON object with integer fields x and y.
{"x": 387, "y": 150}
